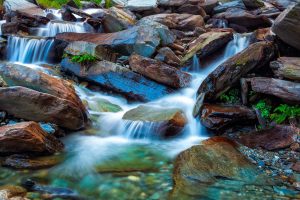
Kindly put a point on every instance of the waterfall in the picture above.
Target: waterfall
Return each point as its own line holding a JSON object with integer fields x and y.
{"x": 28, "y": 50}
{"x": 1, "y": 22}
{"x": 55, "y": 27}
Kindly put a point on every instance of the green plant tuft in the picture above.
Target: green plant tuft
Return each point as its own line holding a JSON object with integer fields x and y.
{"x": 232, "y": 96}
{"x": 264, "y": 108}
{"x": 83, "y": 59}
{"x": 284, "y": 112}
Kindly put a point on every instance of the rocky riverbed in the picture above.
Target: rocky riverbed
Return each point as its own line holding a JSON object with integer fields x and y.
{"x": 154, "y": 99}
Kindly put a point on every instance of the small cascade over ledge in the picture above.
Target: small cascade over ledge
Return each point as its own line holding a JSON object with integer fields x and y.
{"x": 28, "y": 50}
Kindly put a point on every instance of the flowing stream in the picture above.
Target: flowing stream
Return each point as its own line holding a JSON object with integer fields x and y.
{"x": 112, "y": 143}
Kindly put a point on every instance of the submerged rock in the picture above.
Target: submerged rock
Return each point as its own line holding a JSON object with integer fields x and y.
{"x": 32, "y": 105}
{"x": 287, "y": 26}
{"x": 167, "y": 121}
{"x": 287, "y": 67}
{"x": 215, "y": 168}
{"x": 230, "y": 72}
{"x": 216, "y": 117}
{"x": 159, "y": 71}
{"x": 27, "y": 137}
{"x": 118, "y": 79}
{"x": 206, "y": 44}
{"x": 275, "y": 138}
{"x": 103, "y": 105}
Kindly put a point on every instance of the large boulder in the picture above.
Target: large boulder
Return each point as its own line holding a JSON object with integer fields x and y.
{"x": 136, "y": 5}
{"x": 287, "y": 26}
{"x": 119, "y": 79}
{"x": 287, "y": 67}
{"x": 142, "y": 40}
{"x": 27, "y": 137}
{"x": 275, "y": 138}
{"x": 159, "y": 71}
{"x": 19, "y": 75}
{"x": 215, "y": 169}
{"x": 217, "y": 117}
{"x": 163, "y": 122}
{"x": 186, "y": 22}
{"x": 32, "y": 105}
{"x": 166, "y": 55}
{"x": 206, "y": 44}
{"x": 23, "y": 6}
{"x": 230, "y": 72}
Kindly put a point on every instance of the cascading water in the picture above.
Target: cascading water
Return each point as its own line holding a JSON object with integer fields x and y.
{"x": 28, "y": 50}
{"x": 1, "y": 22}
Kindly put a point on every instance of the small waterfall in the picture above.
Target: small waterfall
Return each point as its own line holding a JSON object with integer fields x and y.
{"x": 28, "y": 50}
{"x": 1, "y": 22}
{"x": 55, "y": 27}
{"x": 195, "y": 63}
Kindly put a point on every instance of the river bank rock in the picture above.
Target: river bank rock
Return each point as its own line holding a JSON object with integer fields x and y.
{"x": 206, "y": 44}
{"x": 19, "y": 75}
{"x": 287, "y": 26}
{"x": 211, "y": 168}
{"x": 275, "y": 138}
{"x": 230, "y": 72}
{"x": 166, "y": 122}
{"x": 217, "y": 117}
{"x": 27, "y": 137}
{"x": 287, "y": 67}
{"x": 159, "y": 71}
{"x": 119, "y": 79}
{"x": 166, "y": 55}
{"x": 32, "y": 105}
{"x": 142, "y": 40}
{"x": 186, "y": 22}
{"x": 286, "y": 90}
{"x": 237, "y": 17}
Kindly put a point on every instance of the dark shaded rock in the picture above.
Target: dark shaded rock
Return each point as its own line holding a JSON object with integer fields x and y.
{"x": 286, "y": 90}
{"x": 215, "y": 168}
{"x": 275, "y": 138}
{"x": 13, "y": 28}
{"x": 3, "y": 116}
{"x": 25, "y": 162}
{"x": 27, "y": 137}
{"x": 68, "y": 16}
{"x": 29, "y": 104}
{"x": 287, "y": 26}
{"x": 209, "y": 5}
{"x": 192, "y": 9}
{"x": 282, "y": 4}
{"x": 217, "y": 117}
{"x": 118, "y": 79}
{"x": 23, "y": 6}
{"x": 231, "y": 4}
{"x": 168, "y": 122}
{"x": 166, "y": 55}
{"x": 230, "y": 72}
{"x": 296, "y": 167}
{"x": 263, "y": 34}
{"x": 253, "y": 4}
{"x": 206, "y": 44}
{"x": 159, "y": 71}
{"x": 287, "y": 67}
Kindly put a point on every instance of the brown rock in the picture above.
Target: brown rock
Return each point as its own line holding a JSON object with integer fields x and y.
{"x": 166, "y": 55}
{"x": 287, "y": 67}
{"x": 29, "y": 104}
{"x": 159, "y": 71}
{"x": 263, "y": 34}
{"x": 296, "y": 167}
{"x": 275, "y": 138}
{"x": 253, "y": 4}
{"x": 286, "y": 90}
{"x": 216, "y": 117}
{"x": 209, "y": 5}
{"x": 27, "y": 137}
{"x": 287, "y": 26}
{"x": 230, "y": 72}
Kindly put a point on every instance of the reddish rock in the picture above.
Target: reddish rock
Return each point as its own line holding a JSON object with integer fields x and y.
{"x": 160, "y": 72}
{"x": 216, "y": 117}
{"x": 29, "y": 104}
{"x": 296, "y": 167}
{"x": 209, "y": 5}
{"x": 166, "y": 55}
{"x": 27, "y": 137}
{"x": 275, "y": 138}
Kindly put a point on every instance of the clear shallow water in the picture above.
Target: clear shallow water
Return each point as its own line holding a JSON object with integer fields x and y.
{"x": 94, "y": 160}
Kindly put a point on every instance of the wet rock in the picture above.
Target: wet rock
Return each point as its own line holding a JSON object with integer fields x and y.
{"x": 2, "y": 116}
{"x": 160, "y": 72}
{"x": 68, "y": 16}
{"x": 23, "y": 6}
{"x": 253, "y": 4}
{"x": 217, "y": 117}
{"x": 287, "y": 26}
{"x": 231, "y": 4}
{"x": 243, "y": 18}
{"x": 286, "y": 90}
{"x": 186, "y": 22}
{"x": 19, "y": 75}
{"x": 27, "y": 137}
{"x": 13, "y": 28}
{"x": 118, "y": 79}
{"x": 142, "y": 40}
{"x": 167, "y": 121}
{"x": 191, "y": 9}
{"x": 275, "y": 138}
{"x": 263, "y": 34}
{"x": 213, "y": 168}
{"x": 282, "y": 4}
{"x": 135, "y": 5}
{"x": 103, "y": 105}
{"x": 12, "y": 192}
{"x": 287, "y": 67}
{"x": 230, "y": 72}
{"x": 296, "y": 166}
{"x": 25, "y": 162}
{"x": 29, "y": 104}
{"x": 176, "y": 3}
{"x": 206, "y": 44}
{"x": 117, "y": 20}
{"x": 166, "y": 55}
{"x": 209, "y": 5}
